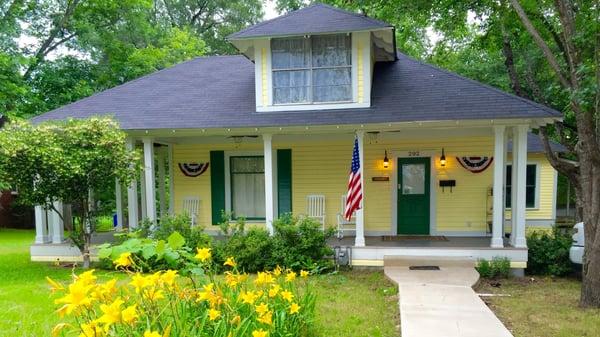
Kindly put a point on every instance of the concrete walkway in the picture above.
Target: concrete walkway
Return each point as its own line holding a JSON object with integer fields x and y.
{"x": 441, "y": 303}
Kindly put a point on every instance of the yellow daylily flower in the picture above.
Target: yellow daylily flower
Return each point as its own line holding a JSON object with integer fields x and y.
{"x": 154, "y": 294}
{"x": 232, "y": 279}
{"x": 274, "y": 290}
{"x": 236, "y": 320}
{"x": 249, "y": 297}
{"x": 294, "y": 308}
{"x": 203, "y": 254}
{"x": 124, "y": 260}
{"x": 55, "y": 286}
{"x": 287, "y": 295}
{"x": 111, "y": 312}
{"x": 149, "y": 333}
{"x": 290, "y": 276}
{"x": 304, "y": 273}
{"x": 77, "y": 297}
{"x": 130, "y": 315}
{"x": 277, "y": 271}
{"x": 91, "y": 329}
{"x": 264, "y": 278}
{"x": 267, "y": 318}
{"x": 168, "y": 277}
{"x": 230, "y": 262}
{"x": 86, "y": 278}
{"x": 105, "y": 290}
{"x": 262, "y": 308}
{"x": 257, "y": 333}
{"x": 139, "y": 282}
{"x": 213, "y": 314}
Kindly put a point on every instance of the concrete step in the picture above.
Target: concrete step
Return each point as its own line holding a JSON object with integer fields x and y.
{"x": 440, "y": 261}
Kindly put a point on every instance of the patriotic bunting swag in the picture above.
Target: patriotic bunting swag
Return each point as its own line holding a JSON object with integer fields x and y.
{"x": 193, "y": 169}
{"x": 475, "y": 164}
{"x": 354, "y": 196}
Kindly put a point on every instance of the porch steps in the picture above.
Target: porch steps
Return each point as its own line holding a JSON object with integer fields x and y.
{"x": 440, "y": 261}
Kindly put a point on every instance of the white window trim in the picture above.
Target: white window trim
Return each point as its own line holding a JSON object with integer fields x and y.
{"x": 228, "y": 155}
{"x": 536, "y": 194}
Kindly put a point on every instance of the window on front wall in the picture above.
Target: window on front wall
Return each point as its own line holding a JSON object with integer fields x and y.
{"x": 530, "y": 186}
{"x": 316, "y": 69}
{"x": 247, "y": 187}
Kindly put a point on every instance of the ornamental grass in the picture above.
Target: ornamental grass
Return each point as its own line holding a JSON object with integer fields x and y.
{"x": 166, "y": 304}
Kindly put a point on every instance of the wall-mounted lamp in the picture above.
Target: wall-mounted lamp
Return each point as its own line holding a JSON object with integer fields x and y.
{"x": 386, "y": 161}
{"x": 443, "y": 159}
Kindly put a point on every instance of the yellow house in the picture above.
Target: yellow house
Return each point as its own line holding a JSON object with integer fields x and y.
{"x": 272, "y": 131}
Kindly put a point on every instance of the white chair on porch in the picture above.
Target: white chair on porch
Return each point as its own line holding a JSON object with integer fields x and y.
{"x": 343, "y": 224}
{"x": 315, "y": 208}
{"x": 191, "y": 207}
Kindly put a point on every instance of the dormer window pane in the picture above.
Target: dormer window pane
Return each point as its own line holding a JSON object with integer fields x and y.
{"x": 315, "y": 69}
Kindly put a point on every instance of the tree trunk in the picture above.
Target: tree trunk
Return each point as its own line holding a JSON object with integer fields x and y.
{"x": 86, "y": 251}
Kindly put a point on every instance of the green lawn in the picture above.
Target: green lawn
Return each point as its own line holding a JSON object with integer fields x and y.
{"x": 543, "y": 307}
{"x": 349, "y": 304}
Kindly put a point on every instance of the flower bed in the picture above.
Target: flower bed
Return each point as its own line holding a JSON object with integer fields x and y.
{"x": 274, "y": 303}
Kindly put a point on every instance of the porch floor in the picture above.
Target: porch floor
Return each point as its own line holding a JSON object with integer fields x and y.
{"x": 449, "y": 242}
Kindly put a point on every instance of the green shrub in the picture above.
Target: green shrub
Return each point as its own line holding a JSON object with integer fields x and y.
{"x": 300, "y": 243}
{"x": 194, "y": 236}
{"x": 498, "y": 267}
{"x": 548, "y": 253}
{"x": 253, "y": 250}
{"x": 297, "y": 243}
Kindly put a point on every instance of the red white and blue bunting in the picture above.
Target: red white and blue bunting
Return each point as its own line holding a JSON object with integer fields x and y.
{"x": 475, "y": 164}
{"x": 193, "y": 169}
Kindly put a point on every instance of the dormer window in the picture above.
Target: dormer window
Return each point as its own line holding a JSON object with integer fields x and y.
{"x": 316, "y": 69}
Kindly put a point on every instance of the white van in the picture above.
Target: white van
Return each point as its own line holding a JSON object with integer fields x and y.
{"x": 576, "y": 251}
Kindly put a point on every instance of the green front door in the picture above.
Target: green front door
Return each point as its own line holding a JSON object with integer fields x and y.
{"x": 413, "y": 195}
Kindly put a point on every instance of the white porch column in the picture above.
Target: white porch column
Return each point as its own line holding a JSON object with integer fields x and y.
{"x": 359, "y": 240}
{"x": 519, "y": 170}
{"x": 269, "y": 193}
{"x": 119, "y": 204}
{"x": 149, "y": 179}
{"x": 161, "y": 183}
{"x": 58, "y": 229}
{"x": 498, "y": 190}
{"x": 143, "y": 210}
{"x": 41, "y": 225}
{"x": 132, "y": 196}
{"x": 171, "y": 181}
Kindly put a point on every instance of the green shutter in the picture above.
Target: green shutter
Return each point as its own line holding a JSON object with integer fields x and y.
{"x": 217, "y": 184}
{"x": 284, "y": 181}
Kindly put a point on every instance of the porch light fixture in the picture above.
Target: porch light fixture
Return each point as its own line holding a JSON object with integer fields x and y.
{"x": 386, "y": 161}
{"x": 443, "y": 159}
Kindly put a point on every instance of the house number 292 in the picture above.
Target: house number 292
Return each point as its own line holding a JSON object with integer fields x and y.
{"x": 413, "y": 153}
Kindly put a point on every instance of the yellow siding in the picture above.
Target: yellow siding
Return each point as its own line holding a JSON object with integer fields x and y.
{"x": 463, "y": 209}
{"x": 546, "y": 191}
{"x": 321, "y": 167}
{"x": 265, "y": 89}
{"x": 360, "y": 72}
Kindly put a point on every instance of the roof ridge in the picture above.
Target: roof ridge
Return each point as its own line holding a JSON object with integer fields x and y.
{"x": 487, "y": 86}
{"x": 135, "y": 80}
{"x": 316, "y": 4}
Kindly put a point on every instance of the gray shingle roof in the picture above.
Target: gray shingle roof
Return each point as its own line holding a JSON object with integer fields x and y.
{"x": 212, "y": 92}
{"x": 314, "y": 19}
{"x": 535, "y": 145}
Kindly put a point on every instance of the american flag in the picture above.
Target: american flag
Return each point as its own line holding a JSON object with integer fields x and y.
{"x": 354, "y": 196}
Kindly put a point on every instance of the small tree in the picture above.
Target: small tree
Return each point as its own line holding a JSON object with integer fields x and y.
{"x": 64, "y": 161}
